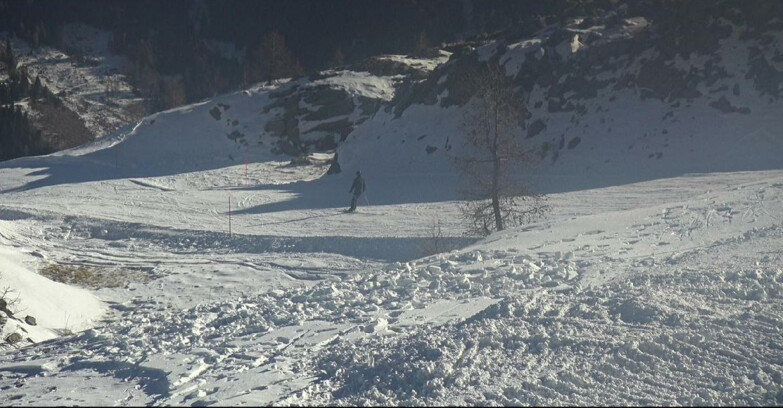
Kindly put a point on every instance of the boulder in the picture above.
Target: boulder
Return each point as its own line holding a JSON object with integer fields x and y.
{"x": 535, "y": 128}
{"x": 13, "y": 338}
{"x": 215, "y": 112}
{"x": 4, "y": 308}
{"x": 30, "y": 320}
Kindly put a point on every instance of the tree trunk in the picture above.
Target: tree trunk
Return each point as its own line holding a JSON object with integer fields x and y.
{"x": 496, "y": 173}
{"x": 496, "y": 193}
{"x": 496, "y": 210}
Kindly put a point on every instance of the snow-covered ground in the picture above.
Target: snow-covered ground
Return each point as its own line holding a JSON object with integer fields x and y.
{"x": 660, "y": 292}
{"x": 239, "y": 280}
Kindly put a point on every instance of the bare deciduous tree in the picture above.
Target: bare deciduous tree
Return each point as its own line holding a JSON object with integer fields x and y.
{"x": 8, "y": 298}
{"x": 496, "y": 197}
{"x": 435, "y": 240}
{"x": 272, "y": 59}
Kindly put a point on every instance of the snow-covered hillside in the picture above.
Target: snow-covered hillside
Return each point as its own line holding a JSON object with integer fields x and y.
{"x": 88, "y": 78}
{"x": 664, "y": 292}
{"x": 222, "y": 274}
{"x": 612, "y": 99}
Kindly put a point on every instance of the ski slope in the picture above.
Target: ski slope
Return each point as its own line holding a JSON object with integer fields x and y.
{"x": 660, "y": 292}
{"x": 239, "y": 280}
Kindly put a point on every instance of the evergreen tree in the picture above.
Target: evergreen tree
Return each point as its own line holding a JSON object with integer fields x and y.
{"x": 24, "y": 84}
{"x": 422, "y": 45}
{"x": 10, "y": 59}
{"x": 5, "y": 97}
{"x": 173, "y": 94}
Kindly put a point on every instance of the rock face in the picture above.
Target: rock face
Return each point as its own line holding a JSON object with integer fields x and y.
{"x": 389, "y": 65}
{"x": 317, "y": 112}
{"x": 311, "y": 113}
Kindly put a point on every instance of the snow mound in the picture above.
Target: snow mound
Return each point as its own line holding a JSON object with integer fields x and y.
{"x": 56, "y": 307}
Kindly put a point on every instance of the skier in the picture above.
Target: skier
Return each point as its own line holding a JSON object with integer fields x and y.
{"x": 335, "y": 167}
{"x": 357, "y": 188}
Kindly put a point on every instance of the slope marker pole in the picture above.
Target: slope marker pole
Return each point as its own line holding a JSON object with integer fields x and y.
{"x": 229, "y": 216}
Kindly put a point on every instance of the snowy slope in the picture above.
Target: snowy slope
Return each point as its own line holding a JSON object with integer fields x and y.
{"x": 611, "y": 100}
{"x": 56, "y": 307}
{"x": 668, "y": 290}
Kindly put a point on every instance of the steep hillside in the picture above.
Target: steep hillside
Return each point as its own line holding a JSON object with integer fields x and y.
{"x": 87, "y": 78}
{"x": 285, "y": 119}
{"x": 635, "y": 94}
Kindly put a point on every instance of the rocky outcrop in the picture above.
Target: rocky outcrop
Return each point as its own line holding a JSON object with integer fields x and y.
{"x": 390, "y": 65}
{"x": 314, "y": 113}
{"x": 675, "y": 53}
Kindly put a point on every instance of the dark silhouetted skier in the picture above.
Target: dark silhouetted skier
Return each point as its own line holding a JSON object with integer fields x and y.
{"x": 357, "y": 188}
{"x": 335, "y": 167}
